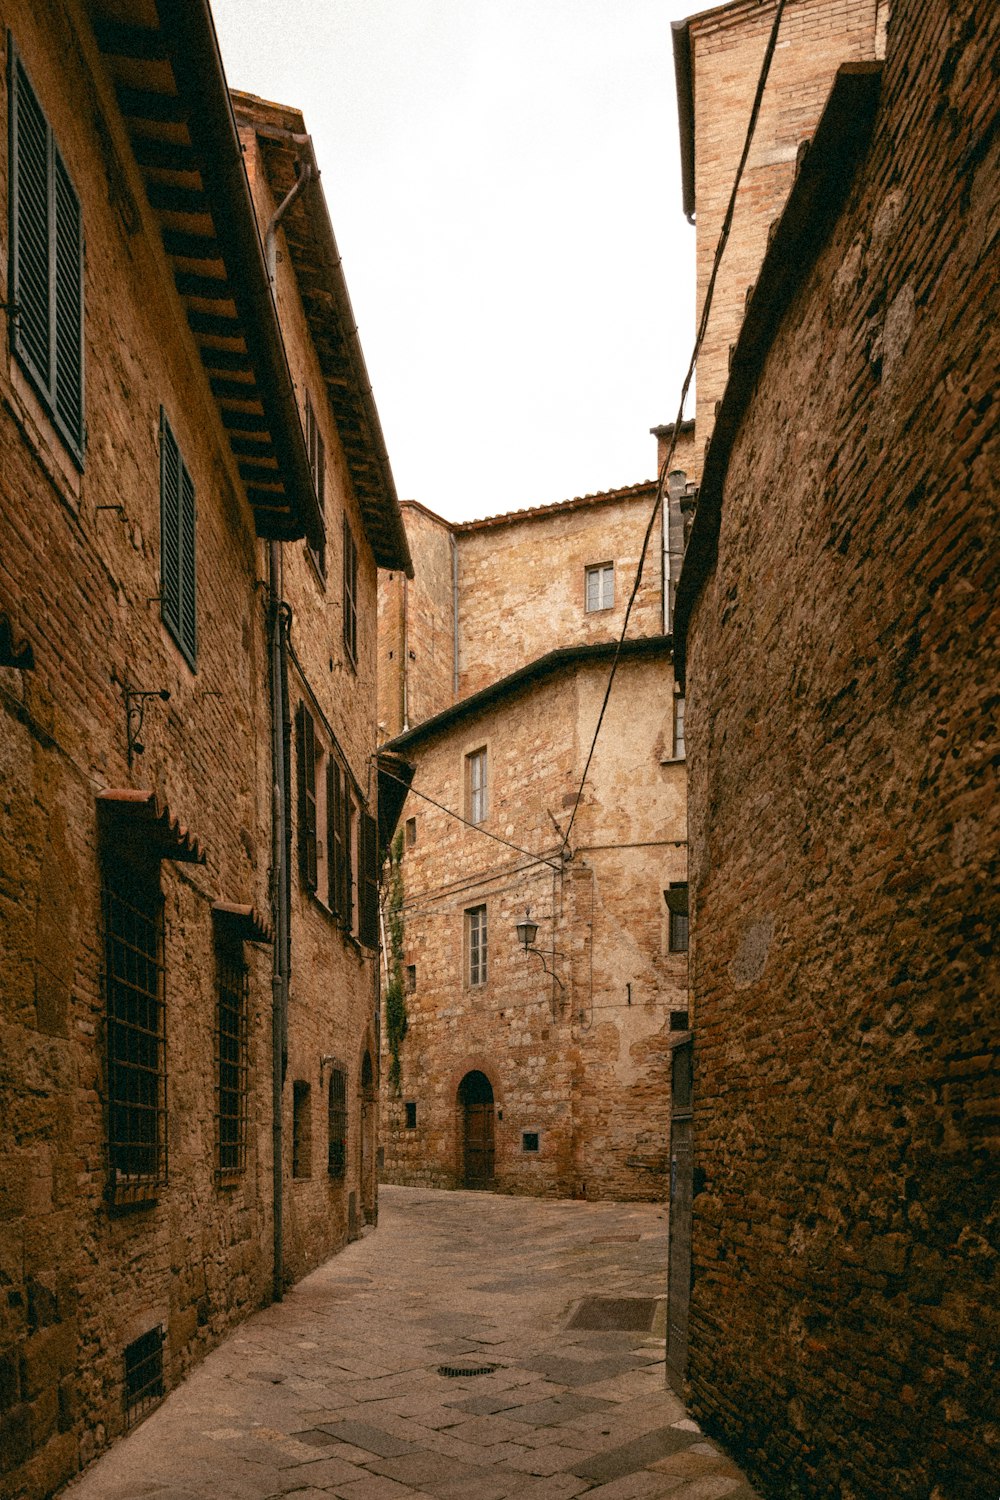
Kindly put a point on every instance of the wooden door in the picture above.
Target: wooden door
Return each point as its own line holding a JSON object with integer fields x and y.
{"x": 681, "y": 1184}
{"x": 478, "y": 1145}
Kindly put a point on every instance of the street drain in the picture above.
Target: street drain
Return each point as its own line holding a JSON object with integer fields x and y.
{"x": 615, "y": 1314}
{"x": 452, "y": 1371}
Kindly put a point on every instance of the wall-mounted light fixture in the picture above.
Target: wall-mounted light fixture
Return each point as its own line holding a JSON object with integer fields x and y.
{"x": 527, "y": 932}
{"x": 135, "y": 713}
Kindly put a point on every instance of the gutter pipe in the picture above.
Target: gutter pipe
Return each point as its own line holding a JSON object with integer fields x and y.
{"x": 454, "y": 613}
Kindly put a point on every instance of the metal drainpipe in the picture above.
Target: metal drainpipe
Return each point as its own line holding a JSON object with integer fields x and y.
{"x": 406, "y": 655}
{"x": 454, "y": 613}
{"x": 279, "y": 613}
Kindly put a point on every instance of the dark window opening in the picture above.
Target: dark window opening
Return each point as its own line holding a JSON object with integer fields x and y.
{"x": 301, "y": 1129}
{"x": 677, "y": 906}
{"x": 136, "y": 1037}
{"x": 529, "y": 1140}
{"x": 411, "y": 1114}
{"x": 411, "y": 978}
{"x": 411, "y": 832}
{"x": 232, "y": 1059}
{"x": 143, "y": 1375}
{"x": 336, "y": 1161}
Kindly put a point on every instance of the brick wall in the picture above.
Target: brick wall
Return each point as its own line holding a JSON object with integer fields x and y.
{"x": 841, "y": 690}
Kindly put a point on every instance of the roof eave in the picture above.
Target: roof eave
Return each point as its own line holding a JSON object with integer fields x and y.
{"x": 684, "y": 77}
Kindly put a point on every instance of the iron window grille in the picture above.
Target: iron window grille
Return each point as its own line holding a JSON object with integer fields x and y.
{"x": 136, "y": 1040}
{"x": 232, "y": 1059}
{"x": 301, "y": 1129}
{"x": 178, "y": 593}
{"x": 600, "y": 587}
{"x": 336, "y": 1162}
{"x": 477, "y": 944}
{"x": 350, "y": 595}
{"x": 143, "y": 1374}
{"x": 46, "y": 262}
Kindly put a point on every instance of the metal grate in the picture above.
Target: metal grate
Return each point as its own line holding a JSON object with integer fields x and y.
{"x": 136, "y": 1051}
{"x": 336, "y": 1160}
{"x": 232, "y": 1059}
{"x": 143, "y": 1374}
{"x": 453, "y": 1372}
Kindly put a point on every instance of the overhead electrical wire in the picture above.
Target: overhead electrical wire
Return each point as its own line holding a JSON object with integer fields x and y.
{"x": 702, "y": 326}
{"x": 553, "y": 863}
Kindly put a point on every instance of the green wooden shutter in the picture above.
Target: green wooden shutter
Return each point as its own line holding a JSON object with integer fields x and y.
{"x": 188, "y": 612}
{"x": 368, "y": 925}
{"x": 68, "y": 383}
{"x": 305, "y": 744}
{"x": 332, "y": 777}
{"x": 170, "y": 529}
{"x": 30, "y": 221}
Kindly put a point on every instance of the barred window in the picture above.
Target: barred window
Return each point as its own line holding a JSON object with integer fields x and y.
{"x": 476, "y": 944}
{"x": 136, "y": 1040}
{"x": 231, "y": 1057}
{"x": 143, "y": 1374}
{"x": 337, "y": 1123}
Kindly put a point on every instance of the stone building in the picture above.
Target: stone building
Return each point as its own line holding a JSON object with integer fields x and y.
{"x": 836, "y": 632}
{"x": 194, "y": 499}
{"x": 541, "y": 1071}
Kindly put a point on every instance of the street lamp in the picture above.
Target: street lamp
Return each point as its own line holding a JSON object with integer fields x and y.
{"x": 527, "y": 931}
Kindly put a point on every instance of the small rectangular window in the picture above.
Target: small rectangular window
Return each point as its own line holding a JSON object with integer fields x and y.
{"x": 411, "y": 832}
{"x": 411, "y": 1114}
{"x": 301, "y": 1129}
{"x": 529, "y": 1140}
{"x": 600, "y": 587}
{"x": 476, "y": 945}
{"x": 136, "y": 1033}
{"x": 143, "y": 1374}
{"x": 678, "y": 727}
{"x": 350, "y": 595}
{"x": 677, "y": 907}
{"x": 317, "y": 467}
{"x": 231, "y": 1057}
{"x": 476, "y": 798}
{"x": 336, "y": 1158}
{"x": 411, "y": 979}
{"x": 46, "y": 262}
{"x": 178, "y": 602}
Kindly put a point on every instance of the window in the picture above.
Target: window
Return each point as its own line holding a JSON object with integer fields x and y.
{"x": 476, "y": 944}
{"x": 350, "y": 595}
{"x": 600, "y": 587}
{"x": 177, "y": 563}
{"x": 231, "y": 1056}
{"x": 411, "y": 1114}
{"x": 143, "y": 1374}
{"x": 411, "y": 979}
{"x": 336, "y": 1158}
{"x": 677, "y": 908}
{"x": 301, "y": 1129}
{"x": 337, "y": 837}
{"x": 317, "y": 467}
{"x": 136, "y": 1039}
{"x": 411, "y": 832}
{"x": 475, "y": 787}
{"x": 678, "y": 727}
{"x": 529, "y": 1140}
{"x": 46, "y": 263}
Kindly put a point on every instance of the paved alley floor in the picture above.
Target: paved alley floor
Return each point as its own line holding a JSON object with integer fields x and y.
{"x": 347, "y": 1388}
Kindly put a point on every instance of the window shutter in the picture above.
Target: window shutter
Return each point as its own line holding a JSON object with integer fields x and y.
{"x": 369, "y": 882}
{"x": 348, "y": 911}
{"x": 170, "y": 529}
{"x": 306, "y": 765}
{"x": 350, "y": 593}
{"x": 68, "y": 391}
{"x": 332, "y": 789}
{"x": 188, "y": 614}
{"x": 31, "y": 224}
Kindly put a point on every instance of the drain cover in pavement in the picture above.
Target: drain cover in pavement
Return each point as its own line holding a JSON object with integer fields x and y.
{"x": 452, "y": 1371}
{"x": 615, "y": 1314}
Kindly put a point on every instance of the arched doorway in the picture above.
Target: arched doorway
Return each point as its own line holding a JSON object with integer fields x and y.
{"x": 475, "y": 1104}
{"x": 368, "y": 1118}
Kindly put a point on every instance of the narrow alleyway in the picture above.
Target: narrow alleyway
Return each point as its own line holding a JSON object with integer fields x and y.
{"x": 347, "y": 1387}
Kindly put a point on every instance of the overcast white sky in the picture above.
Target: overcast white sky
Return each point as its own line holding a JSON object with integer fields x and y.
{"x": 503, "y": 179}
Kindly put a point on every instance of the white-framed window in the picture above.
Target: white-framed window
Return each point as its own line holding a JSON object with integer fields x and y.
{"x": 476, "y": 799}
{"x": 476, "y": 945}
{"x": 600, "y": 587}
{"x": 679, "y": 751}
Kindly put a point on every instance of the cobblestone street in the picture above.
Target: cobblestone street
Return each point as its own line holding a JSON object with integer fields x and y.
{"x": 338, "y": 1391}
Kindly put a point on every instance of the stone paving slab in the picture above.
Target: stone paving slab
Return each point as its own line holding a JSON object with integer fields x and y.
{"x": 336, "y": 1391}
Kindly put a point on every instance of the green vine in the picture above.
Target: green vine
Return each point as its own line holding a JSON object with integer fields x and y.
{"x": 396, "y": 1021}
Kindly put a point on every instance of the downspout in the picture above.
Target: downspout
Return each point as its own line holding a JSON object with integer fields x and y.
{"x": 454, "y": 614}
{"x": 406, "y": 654}
{"x": 278, "y": 616}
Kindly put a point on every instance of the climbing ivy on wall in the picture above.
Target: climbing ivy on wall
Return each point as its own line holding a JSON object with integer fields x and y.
{"x": 395, "y": 998}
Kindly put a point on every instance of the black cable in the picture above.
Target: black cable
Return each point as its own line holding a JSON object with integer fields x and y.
{"x": 555, "y": 864}
{"x": 702, "y": 326}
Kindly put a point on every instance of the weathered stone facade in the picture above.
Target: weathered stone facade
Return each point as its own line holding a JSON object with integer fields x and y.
{"x": 96, "y": 1251}
{"x": 839, "y": 629}
{"x": 577, "y": 1063}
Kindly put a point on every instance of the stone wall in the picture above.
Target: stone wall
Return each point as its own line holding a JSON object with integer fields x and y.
{"x": 842, "y": 669}
{"x": 80, "y": 581}
{"x": 416, "y": 631}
